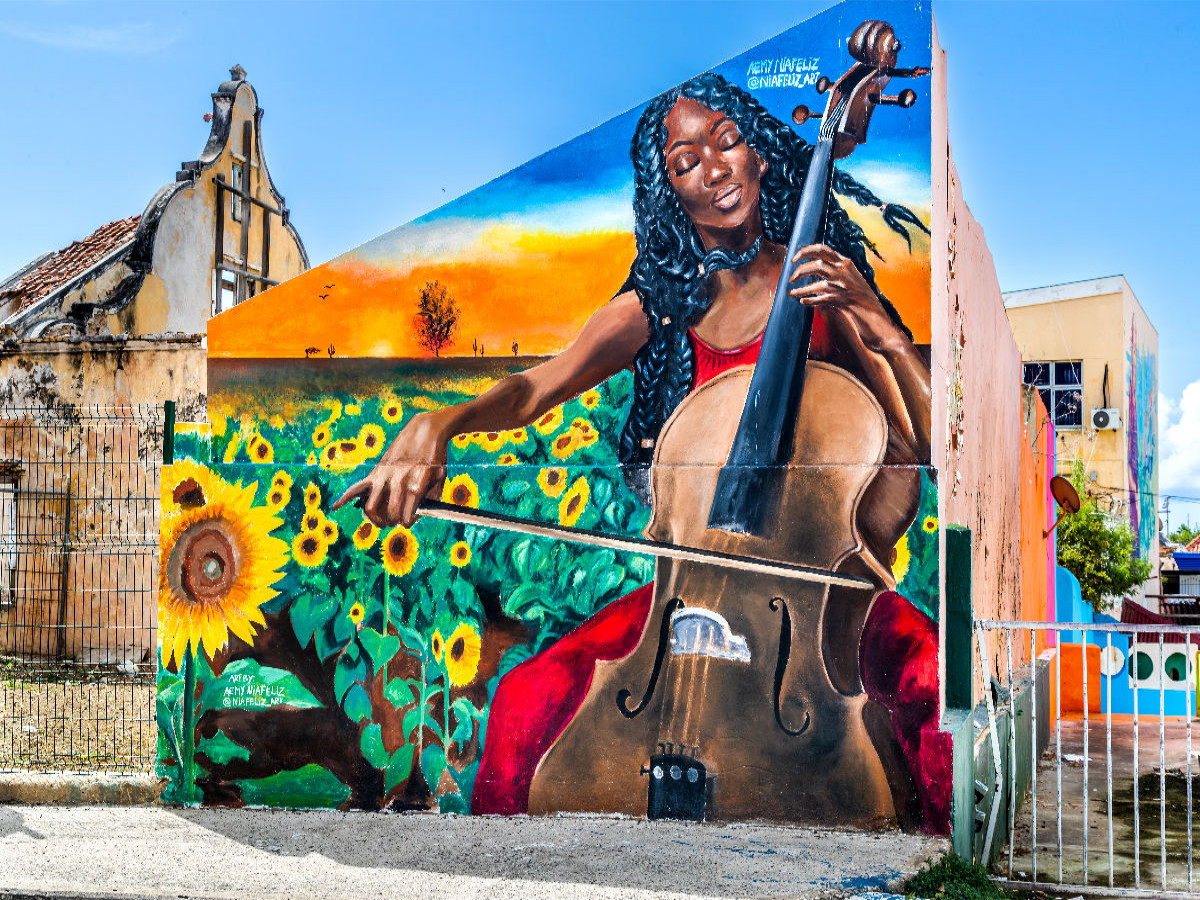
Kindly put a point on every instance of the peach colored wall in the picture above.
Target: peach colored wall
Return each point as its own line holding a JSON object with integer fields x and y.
{"x": 976, "y": 373}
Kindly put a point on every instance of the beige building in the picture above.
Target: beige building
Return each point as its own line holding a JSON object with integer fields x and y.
{"x": 119, "y": 319}
{"x": 1092, "y": 352}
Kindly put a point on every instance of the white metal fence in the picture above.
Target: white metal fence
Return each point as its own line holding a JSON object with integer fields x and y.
{"x": 1086, "y": 756}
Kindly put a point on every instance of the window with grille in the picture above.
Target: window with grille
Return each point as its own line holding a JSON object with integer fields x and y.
{"x": 8, "y": 538}
{"x": 1061, "y": 387}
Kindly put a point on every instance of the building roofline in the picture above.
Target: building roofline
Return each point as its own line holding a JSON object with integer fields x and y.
{"x": 1067, "y": 290}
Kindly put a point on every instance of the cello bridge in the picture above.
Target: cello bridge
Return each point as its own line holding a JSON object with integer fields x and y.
{"x": 701, "y": 632}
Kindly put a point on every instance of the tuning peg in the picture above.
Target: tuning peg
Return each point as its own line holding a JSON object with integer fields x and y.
{"x": 823, "y": 84}
{"x": 802, "y": 114}
{"x": 906, "y": 98}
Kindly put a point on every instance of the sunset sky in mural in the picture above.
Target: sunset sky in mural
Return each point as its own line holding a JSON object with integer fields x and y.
{"x": 529, "y": 256}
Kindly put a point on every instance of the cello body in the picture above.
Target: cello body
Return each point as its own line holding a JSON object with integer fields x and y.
{"x": 774, "y": 737}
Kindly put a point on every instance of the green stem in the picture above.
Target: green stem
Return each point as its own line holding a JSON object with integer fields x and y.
{"x": 189, "y": 727}
{"x": 421, "y": 723}
{"x": 446, "y": 715}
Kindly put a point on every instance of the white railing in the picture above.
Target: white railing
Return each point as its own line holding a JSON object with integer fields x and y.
{"x": 1092, "y": 805}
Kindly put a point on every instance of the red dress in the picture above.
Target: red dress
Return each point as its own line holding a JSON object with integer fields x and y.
{"x": 535, "y": 701}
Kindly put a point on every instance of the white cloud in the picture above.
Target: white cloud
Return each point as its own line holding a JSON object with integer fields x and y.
{"x": 1179, "y": 450}
{"x": 132, "y": 37}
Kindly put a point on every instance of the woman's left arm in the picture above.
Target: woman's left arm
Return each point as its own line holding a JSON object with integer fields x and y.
{"x": 898, "y": 374}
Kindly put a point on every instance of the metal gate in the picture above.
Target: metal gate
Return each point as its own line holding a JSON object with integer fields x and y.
{"x": 78, "y": 587}
{"x": 1088, "y": 761}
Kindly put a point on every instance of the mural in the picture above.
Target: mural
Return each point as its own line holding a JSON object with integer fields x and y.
{"x": 1143, "y": 439}
{"x": 551, "y": 502}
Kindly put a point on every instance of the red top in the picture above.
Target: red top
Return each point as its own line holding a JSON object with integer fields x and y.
{"x": 711, "y": 362}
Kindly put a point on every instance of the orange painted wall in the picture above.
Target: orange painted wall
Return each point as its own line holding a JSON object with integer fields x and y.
{"x": 1071, "y": 657}
{"x": 1035, "y": 477}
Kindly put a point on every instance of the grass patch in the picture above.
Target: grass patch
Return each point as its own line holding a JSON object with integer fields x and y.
{"x": 954, "y": 878}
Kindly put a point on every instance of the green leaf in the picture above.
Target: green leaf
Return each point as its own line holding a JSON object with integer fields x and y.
{"x": 412, "y": 721}
{"x": 465, "y": 715}
{"x": 433, "y": 764}
{"x": 308, "y": 613}
{"x": 371, "y": 743}
{"x": 381, "y": 648}
{"x": 399, "y": 767}
{"x": 453, "y": 803}
{"x": 399, "y": 692}
{"x": 347, "y": 672}
{"x": 246, "y": 684}
{"x": 220, "y": 749}
{"x": 357, "y": 704}
{"x": 607, "y": 579}
{"x": 513, "y": 489}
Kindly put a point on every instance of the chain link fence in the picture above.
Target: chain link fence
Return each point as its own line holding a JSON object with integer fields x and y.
{"x": 78, "y": 587}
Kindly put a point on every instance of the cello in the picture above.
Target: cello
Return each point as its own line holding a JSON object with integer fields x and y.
{"x": 736, "y": 702}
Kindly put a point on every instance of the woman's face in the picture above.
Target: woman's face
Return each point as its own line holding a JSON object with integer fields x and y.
{"x": 714, "y": 172}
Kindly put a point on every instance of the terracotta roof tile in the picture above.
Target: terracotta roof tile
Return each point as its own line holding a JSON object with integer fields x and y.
{"x": 59, "y": 268}
{"x": 1193, "y": 546}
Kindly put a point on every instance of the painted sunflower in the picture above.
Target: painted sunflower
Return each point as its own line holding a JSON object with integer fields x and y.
{"x": 282, "y": 479}
{"x": 460, "y": 554}
{"x": 437, "y": 644}
{"x": 550, "y": 421}
{"x": 260, "y": 450}
{"x": 391, "y": 409}
{"x": 574, "y": 502}
{"x": 586, "y": 434}
{"x": 311, "y": 460}
{"x": 329, "y": 531}
{"x": 277, "y": 421}
{"x": 335, "y": 409}
{"x": 517, "y": 435}
{"x": 461, "y": 490}
{"x": 563, "y": 446}
{"x": 492, "y": 441}
{"x": 309, "y": 550}
{"x": 901, "y": 559}
{"x": 930, "y": 524}
{"x": 353, "y": 409}
{"x": 552, "y": 481}
{"x": 217, "y": 561}
{"x": 365, "y": 535}
{"x": 400, "y": 549}
{"x": 312, "y": 520}
{"x": 219, "y": 423}
{"x": 312, "y": 496}
{"x": 507, "y": 459}
{"x": 370, "y": 440}
{"x": 590, "y": 399}
{"x": 357, "y": 613}
{"x": 321, "y": 435}
{"x": 278, "y": 497}
{"x": 461, "y": 441}
{"x": 231, "y": 449}
{"x": 462, "y": 654}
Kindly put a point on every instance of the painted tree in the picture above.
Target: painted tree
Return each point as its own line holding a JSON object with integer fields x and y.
{"x": 437, "y": 317}
{"x": 1102, "y": 554}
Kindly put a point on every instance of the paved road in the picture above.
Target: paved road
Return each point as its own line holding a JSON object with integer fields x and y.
{"x": 160, "y": 852}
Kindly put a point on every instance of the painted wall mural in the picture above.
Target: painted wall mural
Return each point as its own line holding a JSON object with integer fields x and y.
{"x": 1143, "y": 440}
{"x": 550, "y": 501}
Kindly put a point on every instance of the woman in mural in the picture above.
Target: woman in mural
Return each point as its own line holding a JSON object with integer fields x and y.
{"x": 717, "y": 180}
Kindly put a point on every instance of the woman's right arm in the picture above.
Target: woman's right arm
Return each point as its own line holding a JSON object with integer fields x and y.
{"x": 413, "y": 467}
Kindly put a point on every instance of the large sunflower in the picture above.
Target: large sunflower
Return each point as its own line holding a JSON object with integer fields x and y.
{"x": 462, "y": 654}
{"x": 309, "y": 550}
{"x": 461, "y": 490}
{"x": 492, "y": 441}
{"x": 365, "y": 535}
{"x": 391, "y": 409}
{"x": 217, "y": 561}
{"x": 278, "y": 497}
{"x": 460, "y": 554}
{"x": 574, "y": 502}
{"x": 260, "y": 450}
{"x": 565, "y": 444}
{"x": 400, "y": 549}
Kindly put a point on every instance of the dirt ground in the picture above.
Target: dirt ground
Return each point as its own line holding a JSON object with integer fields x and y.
{"x": 1139, "y": 839}
{"x": 73, "y": 722}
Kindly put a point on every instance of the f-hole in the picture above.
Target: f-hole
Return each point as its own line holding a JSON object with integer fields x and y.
{"x": 664, "y": 636}
{"x": 781, "y": 664}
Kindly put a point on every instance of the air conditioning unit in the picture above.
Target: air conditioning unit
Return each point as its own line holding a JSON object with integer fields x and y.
{"x": 1106, "y": 419}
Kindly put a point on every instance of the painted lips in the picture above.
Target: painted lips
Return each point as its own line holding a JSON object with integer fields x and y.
{"x": 728, "y": 197}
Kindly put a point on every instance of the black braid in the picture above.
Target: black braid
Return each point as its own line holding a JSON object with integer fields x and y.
{"x": 666, "y": 272}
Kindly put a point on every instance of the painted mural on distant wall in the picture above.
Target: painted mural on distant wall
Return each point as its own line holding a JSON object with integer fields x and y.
{"x": 485, "y": 520}
{"x": 1143, "y": 452}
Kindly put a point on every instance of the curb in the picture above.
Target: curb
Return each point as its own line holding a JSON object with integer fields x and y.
{"x": 36, "y": 789}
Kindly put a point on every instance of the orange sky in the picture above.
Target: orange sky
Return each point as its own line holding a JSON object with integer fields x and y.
{"x": 536, "y": 288}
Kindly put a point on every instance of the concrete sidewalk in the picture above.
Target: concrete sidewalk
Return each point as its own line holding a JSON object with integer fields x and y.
{"x": 159, "y": 852}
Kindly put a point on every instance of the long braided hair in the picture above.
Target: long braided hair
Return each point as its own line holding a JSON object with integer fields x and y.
{"x": 668, "y": 272}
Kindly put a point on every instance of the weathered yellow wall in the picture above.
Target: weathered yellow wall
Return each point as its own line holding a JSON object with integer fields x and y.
{"x": 1090, "y": 329}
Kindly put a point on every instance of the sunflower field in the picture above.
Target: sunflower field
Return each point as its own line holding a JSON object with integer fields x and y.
{"x": 392, "y": 640}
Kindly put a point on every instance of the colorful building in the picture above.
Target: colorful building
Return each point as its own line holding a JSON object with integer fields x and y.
{"x": 1092, "y": 352}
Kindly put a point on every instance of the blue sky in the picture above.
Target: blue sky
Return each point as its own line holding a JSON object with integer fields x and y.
{"x": 1071, "y": 123}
